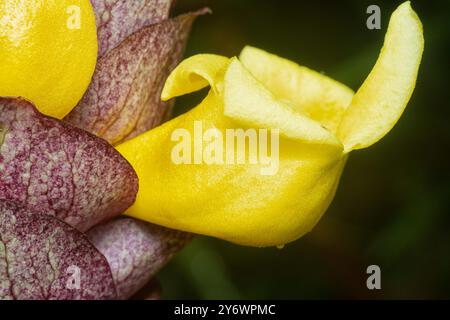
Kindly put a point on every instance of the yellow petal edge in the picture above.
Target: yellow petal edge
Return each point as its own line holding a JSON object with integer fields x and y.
{"x": 318, "y": 125}
{"x": 380, "y": 101}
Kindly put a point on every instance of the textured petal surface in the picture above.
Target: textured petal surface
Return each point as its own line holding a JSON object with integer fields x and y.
{"x": 52, "y": 167}
{"x": 117, "y": 19}
{"x": 42, "y": 257}
{"x": 123, "y": 99}
{"x": 380, "y": 101}
{"x": 135, "y": 250}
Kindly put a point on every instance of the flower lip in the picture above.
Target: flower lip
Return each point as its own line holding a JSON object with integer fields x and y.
{"x": 248, "y": 101}
{"x": 306, "y": 91}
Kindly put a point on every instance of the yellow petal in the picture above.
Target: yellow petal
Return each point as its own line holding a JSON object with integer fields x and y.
{"x": 193, "y": 74}
{"x": 380, "y": 101}
{"x": 248, "y": 102}
{"x": 234, "y": 202}
{"x": 320, "y": 97}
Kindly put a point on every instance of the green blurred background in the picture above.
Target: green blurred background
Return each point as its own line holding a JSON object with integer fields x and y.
{"x": 393, "y": 204}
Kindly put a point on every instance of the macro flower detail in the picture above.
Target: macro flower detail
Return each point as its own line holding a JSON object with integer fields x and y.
{"x": 319, "y": 123}
{"x": 99, "y": 189}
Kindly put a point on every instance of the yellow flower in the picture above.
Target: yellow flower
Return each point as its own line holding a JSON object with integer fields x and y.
{"x": 314, "y": 122}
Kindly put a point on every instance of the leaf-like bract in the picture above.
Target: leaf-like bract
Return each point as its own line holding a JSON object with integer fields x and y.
{"x": 135, "y": 250}
{"x": 49, "y": 166}
{"x": 42, "y": 257}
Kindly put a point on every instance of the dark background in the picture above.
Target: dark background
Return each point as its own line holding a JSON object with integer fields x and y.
{"x": 392, "y": 207}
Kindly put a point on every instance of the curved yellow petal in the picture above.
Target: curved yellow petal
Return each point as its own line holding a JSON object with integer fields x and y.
{"x": 320, "y": 97}
{"x": 380, "y": 101}
{"x": 193, "y": 74}
{"x": 247, "y": 101}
